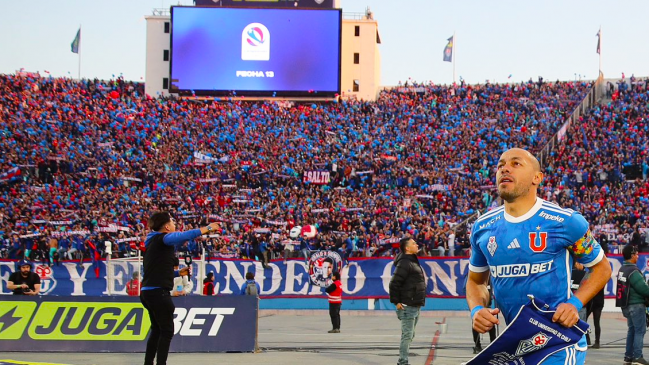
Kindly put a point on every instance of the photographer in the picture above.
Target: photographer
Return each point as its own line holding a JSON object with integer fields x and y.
{"x": 24, "y": 282}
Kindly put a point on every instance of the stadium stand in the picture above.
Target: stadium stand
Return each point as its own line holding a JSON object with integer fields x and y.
{"x": 85, "y": 162}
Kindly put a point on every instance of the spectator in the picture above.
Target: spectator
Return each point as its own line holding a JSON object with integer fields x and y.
{"x": 334, "y": 295}
{"x": 208, "y": 284}
{"x": 182, "y": 285}
{"x": 24, "y": 282}
{"x": 64, "y": 247}
{"x": 53, "y": 249}
{"x": 633, "y": 291}
{"x": 264, "y": 250}
{"x": 133, "y": 285}
{"x": 451, "y": 243}
{"x": 408, "y": 293}
{"x": 250, "y": 287}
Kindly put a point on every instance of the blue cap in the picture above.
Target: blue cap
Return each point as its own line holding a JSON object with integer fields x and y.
{"x": 22, "y": 263}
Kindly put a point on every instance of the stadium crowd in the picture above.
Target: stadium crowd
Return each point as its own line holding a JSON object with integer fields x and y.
{"x": 85, "y": 162}
{"x": 601, "y": 167}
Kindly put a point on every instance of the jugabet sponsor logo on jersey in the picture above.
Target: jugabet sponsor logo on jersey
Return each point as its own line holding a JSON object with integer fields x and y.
{"x": 520, "y": 270}
{"x": 551, "y": 217}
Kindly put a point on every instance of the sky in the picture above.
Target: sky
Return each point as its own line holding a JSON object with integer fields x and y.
{"x": 555, "y": 39}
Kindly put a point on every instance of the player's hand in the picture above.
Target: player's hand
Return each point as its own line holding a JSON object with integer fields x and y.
{"x": 184, "y": 271}
{"x": 215, "y": 227}
{"x": 566, "y": 315}
{"x": 485, "y": 319}
{"x": 399, "y": 306}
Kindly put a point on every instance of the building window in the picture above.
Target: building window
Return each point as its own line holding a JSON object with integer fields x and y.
{"x": 357, "y": 58}
{"x": 165, "y": 83}
{"x": 165, "y": 55}
{"x": 356, "y": 86}
{"x": 357, "y": 30}
{"x": 166, "y": 27}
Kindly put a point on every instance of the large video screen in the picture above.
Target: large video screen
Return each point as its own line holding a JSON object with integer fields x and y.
{"x": 262, "y": 52}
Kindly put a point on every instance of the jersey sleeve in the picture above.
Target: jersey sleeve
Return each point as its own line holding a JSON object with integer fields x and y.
{"x": 581, "y": 242}
{"x": 477, "y": 261}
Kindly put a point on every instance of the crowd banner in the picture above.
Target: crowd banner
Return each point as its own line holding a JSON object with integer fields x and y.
{"x": 213, "y": 179}
{"x": 203, "y": 158}
{"x": 317, "y": 177}
{"x": 613, "y": 233}
{"x": 362, "y": 278}
{"x": 121, "y": 324}
{"x": 130, "y": 178}
{"x": 130, "y": 239}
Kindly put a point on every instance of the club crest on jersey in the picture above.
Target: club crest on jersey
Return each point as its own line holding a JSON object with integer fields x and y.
{"x": 492, "y": 245}
{"x": 538, "y": 241}
{"x": 535, "y": 343}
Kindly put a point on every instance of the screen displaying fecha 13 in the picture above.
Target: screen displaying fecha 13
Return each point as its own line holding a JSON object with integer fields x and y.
{"x": 215, "y": 51}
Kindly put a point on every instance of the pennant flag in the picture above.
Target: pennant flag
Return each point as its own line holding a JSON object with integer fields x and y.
{"x": 448, "y": 51}
{"x": 76, "y": 41}
{"x": 599, "y": 41}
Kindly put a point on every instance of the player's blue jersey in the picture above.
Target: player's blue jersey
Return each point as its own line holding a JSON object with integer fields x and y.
{"x": 530, "y": 254}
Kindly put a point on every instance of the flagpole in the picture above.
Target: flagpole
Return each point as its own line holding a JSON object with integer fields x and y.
{"x": 79, "y": 53}
{"x": 600, "y": 50}
{"x": 454, "y": 55}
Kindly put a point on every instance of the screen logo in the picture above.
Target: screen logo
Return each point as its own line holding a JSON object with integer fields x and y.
{"x": 255, "y": 43}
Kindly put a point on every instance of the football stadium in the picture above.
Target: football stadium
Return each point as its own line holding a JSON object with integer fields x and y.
{"x": 286, "y": 182}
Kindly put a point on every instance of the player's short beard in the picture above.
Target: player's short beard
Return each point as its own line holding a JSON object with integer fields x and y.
{"x": 510, "y": 196}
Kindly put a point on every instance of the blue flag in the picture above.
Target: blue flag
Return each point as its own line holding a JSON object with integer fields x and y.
{"x": 76, "y": 42}
{"x": 448, "y": 51}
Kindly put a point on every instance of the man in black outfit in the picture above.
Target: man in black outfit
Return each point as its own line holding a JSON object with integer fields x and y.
{"x": 158, "y": 280}
{"x": 595, "y": 307}
{"x": 24, "y": 282}
{"x": 408, "y": 293}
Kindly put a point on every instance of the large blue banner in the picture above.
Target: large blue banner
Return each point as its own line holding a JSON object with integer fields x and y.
{"x": 361, "y": 278}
